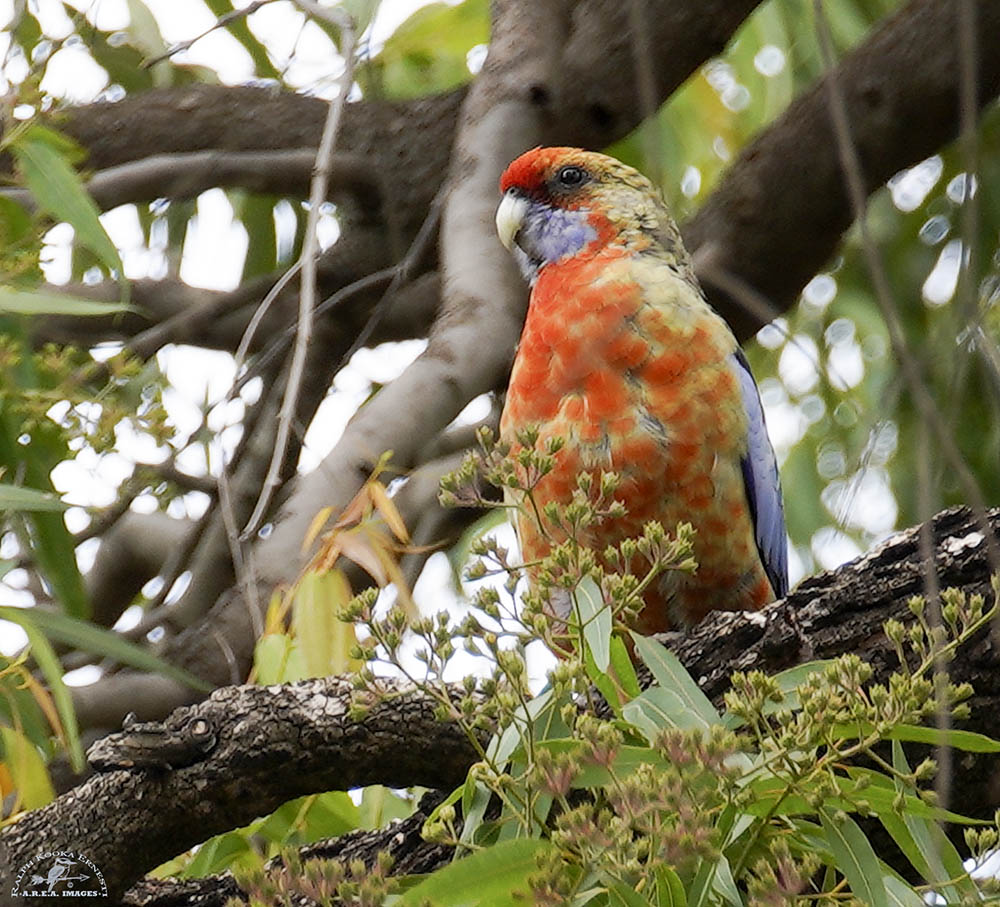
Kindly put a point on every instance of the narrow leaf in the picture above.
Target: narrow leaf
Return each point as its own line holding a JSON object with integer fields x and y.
{"x": 475, "y": 799}
{"x": 940, "y": 859}
{"x": 502, "y": 746}
{"x": 595, "y": 617}
{"x": 605, "y": 685}
{"x": 791, "y": 679}
{"x": 880, "y": 794}
{"x": 48, "y": 663}
{"x": 671, "y": 674}
{"x": 81, "y": 635}
{"x": 60, "y": 192}
{"x": 27, "y": 770}
{"x": 277, "y": 659}
{"x": 623, "y": 669}
{"x": 45, "y": 302}
{"x": 324, "y": 640}
{"x": 18, "y": 498}
{"x": 216, "y": 854}
{"x": 969, "y": 741}
{"x": 380, "y": 806}
{"x": 621, "y": 895}
{"x": 49, "y": 542}
{"x": 669, "y": 888}
{"x": 315, "y": 525}
{"x": 658, "y": 708}
{"x": 387, "y": 509}
{"x": 900, "y": 894}
{"x": 855, "y": 858}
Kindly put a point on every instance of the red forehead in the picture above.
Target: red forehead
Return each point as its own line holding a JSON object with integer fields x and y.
{"x": 534, "y": 167}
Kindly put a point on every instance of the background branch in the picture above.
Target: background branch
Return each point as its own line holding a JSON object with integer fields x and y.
{"x": 768, "y": 224}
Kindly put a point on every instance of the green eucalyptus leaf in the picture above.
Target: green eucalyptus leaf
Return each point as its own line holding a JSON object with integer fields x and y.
{"x": 489, "y": 877}
{"x": 82, "y": 635}
{"x": 669, "y": 888}
{"x": 46, "y": 302}
{"x": 18, "y": 498}
{"x": 671, "y": 675}
{"x": 595, "y": 617}
{"x": 48, "y": 662}
{"x": 855, "y": 858}
{"x": 59, "y": 191}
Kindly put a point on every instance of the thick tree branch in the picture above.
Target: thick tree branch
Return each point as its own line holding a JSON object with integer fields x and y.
{"x": 282, "y": 742}
{"x": 408, "y": 141}
{"x": 132, "y": 552}
{"x": 271, "y": 744}
{"x": 170, "y": 311}
{"x": 774, "y": 219}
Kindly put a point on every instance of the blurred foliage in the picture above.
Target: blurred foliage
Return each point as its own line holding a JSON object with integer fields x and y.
{"x": 843, "y": 420}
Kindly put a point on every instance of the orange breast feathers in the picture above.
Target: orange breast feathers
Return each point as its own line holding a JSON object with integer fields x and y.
{"x": 640, "y": 386}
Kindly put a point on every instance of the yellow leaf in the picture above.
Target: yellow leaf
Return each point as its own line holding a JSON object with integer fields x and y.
{"x": 46, "y": 704}
{"x": 318, "y": 522}
{"x": 395, "y": 576}
{"x": 324, "y": 640}
{"x": 27, "y": 770}
{"x": 6, "y": 781}
{"x": 355, "y": 511}
{"x": 387, "y": 508}
{"x": 277, "y": 660}
{"x": 329, "y": 551}
{"x": 277, "y": 608}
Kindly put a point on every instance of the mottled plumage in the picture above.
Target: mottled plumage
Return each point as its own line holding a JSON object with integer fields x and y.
{"x": 623, "y": 358}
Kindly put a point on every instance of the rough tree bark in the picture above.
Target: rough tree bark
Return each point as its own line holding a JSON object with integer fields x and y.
{"x": 245, "y": 750}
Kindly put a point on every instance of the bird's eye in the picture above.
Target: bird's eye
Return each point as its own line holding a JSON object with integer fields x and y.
{"x": 571, "y": 176}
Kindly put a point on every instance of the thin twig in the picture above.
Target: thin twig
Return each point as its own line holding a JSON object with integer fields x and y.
{"x": 392, "y": 278}
{"x": 221, "y": 22}
{"x": 243, "y": 563}
{"x": 402, "y": 272}
{"x": 310, "y": 248}
{"x": 758, "y": 305}
{"x": 156, "y": 608}
{"x": 258, "y": 317}
{"x": 970, "y": 313}
{"x": 645, "y": 80}
{"x": 281, "y": 343}
{"x": 927, "y": 507}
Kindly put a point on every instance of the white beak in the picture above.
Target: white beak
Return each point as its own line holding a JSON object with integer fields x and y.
{"x": 510, "y": 216}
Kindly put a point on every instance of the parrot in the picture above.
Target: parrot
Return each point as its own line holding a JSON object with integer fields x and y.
{"x": 623, "y": 359}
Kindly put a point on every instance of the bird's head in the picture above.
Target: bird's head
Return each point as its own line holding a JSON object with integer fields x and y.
{"x": 563, "y": 202}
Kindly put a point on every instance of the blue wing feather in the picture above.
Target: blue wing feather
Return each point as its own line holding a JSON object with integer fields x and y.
{"x": 760, "y": 475}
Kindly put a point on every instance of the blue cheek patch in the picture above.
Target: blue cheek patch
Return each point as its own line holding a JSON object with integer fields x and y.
{"x": 549, "y": 234}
